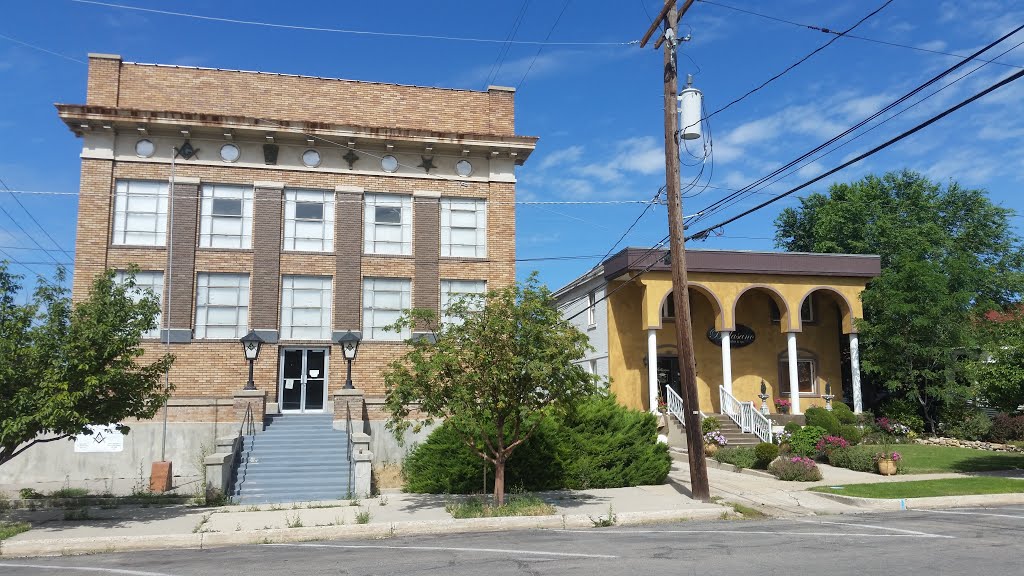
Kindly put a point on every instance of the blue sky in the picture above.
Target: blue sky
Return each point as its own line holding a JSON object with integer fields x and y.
{"x": 596, "y": 108}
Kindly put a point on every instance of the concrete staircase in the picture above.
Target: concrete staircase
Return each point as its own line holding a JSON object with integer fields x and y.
{"x": 298, "y": 457}
{"x": 677, "y": 434}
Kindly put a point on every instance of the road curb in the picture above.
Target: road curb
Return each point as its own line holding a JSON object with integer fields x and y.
{"x": 926, "y": 503}
{"x": 203, "y": 540}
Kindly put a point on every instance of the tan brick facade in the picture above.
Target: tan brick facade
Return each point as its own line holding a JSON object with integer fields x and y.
{"x": 212, "y": 371}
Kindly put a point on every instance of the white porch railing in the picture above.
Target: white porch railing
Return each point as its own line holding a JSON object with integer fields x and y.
{"x": 748, "y": 418}
{"x": 675, "y": 406}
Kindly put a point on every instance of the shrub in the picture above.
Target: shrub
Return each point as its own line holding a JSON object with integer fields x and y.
{"x": 859, "y": 458}
{"x": 904, "y": 411}
{"x": 797, "y": 468}
{"x": 791, "y": 427}
{"x": 710, "y": 425}
{"x": 1006, "y": 428}
{"x": 852, "y": 433}
{"x": 606, "y": 445}
{"x": 738, "y": 456}
{"x": 804, "y": 440}
{"x": 826, "y": 445}
{"x": 600, "y": 445}
{"x": 764, "y": 453}
{"x": 843, "y": 413}
{"x": 823, "y": 419}
{"x": 967, "y": 425}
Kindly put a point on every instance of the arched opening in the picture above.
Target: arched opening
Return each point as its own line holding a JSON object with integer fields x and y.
{"x": 705, "y": 316}
{"x": 826, "y": 335}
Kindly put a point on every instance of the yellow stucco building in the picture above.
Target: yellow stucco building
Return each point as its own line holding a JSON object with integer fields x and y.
{"x": 785, "y": 319}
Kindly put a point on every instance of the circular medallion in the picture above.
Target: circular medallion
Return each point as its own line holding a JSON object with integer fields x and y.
{"x": 464, "y": 168}
{"x": 229, "y": 153}
{"x": 389, "y": 163}
{"x": 144, "y": 148}
{"x": 311, "y": 158}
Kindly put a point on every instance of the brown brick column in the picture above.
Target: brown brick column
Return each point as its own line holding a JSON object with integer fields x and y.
{"x": 181, "y": 259}
{"x": 95, "y": 206}
{"x": 348, "y": 250}
{"x": 104, "y": 83}
{"x": 426, "y": 243}
{"x": 265, "y": 306}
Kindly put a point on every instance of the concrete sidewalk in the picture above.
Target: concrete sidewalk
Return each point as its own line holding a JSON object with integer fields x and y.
{"x": 56, "y": 532}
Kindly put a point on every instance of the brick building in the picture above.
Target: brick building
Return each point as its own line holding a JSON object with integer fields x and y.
{"x": 299, "y": 207}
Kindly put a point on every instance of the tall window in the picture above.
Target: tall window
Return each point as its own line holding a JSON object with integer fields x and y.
{"x": 452, "y": 289}
{"x": 222, "y": 305}
{"x": 464, "y": 227}
{"x": 591, "y": 305}
{"x": 806, "y": 373}
{"x": 140, "y": 213}
{"x": 806, "y": 310}
{"x": 309, "y": 220}
{"x": 226, "y": 217}
{"x": 388, "y": 224}
{"x": 147, "y": 283}
{"x": 384, "y": 299}
{"x": 306, "y": 308}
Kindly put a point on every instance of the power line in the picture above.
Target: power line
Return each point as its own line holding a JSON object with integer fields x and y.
{"x": 25, "y": 232}
{"x": 854, "y": 36}
{"x": 608, "y": 295}
{"x": 633, "y": 225}
{"x": 503, "y": 50}
{"x": 731, "y": 199}
{"x": 792, "y": 66}
{"x": 41, "y": 49}
{"x": 346, "y": 31}
{"x": 886, "y": 144}
{"x": 33, "y": 218}
{"x": 541, "y": 47}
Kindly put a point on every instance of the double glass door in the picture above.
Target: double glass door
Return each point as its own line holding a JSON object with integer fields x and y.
{"x": 303, "y": 380}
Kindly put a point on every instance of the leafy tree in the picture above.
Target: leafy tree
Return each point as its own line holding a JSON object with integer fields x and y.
{"x": 493, "y": 374}
{"x": 999, "y": 369}
{"x": 64, "y": 366}
{"x": 947, "y": 255}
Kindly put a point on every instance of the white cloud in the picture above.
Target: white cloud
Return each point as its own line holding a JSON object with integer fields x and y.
{"x": 643, "y": 155}
{"x": 563, "y": 156}
{"x": 933, "y": 45}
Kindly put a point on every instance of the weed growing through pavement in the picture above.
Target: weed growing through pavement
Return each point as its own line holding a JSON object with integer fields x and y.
{"x": 293, "y": 521}
{"x": 605, "y": 522}
{"x": 363, "y": 517}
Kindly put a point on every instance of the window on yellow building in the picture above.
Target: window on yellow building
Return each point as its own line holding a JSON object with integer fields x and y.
{"x": 807, "y": 315}
{"x": 806, "y": 373}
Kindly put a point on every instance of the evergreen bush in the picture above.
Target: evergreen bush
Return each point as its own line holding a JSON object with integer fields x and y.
{"x": 738, "y": 456}
{"x": 764, "y": 453}
{"x": 805, "y": 440}
{"x": 791, "y": 427}
{"x": 851, "y": 433}
{"x": 823, "y": 419}
{"x": 859, "y": 458}
{"x": 843, "y": 413}
{"x": 709, "y": 425}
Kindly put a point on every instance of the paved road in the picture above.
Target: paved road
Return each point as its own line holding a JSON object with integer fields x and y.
{"x": 975, "y": 541}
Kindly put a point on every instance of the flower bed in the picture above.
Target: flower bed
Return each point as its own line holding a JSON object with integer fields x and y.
{"x": 795, "y": 468}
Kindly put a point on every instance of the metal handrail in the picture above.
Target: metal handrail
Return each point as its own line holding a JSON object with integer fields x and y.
{"x": 348, "y": 433}
{"x": 247, "y": 428}
{"x": 748, "y": 418}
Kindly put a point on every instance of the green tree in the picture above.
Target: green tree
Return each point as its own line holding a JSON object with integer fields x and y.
{"x": 65, "y": 366}
{"x": 493, "y": 374}
{"x": 947, "y": 254}
{"x": 998, "y": 370}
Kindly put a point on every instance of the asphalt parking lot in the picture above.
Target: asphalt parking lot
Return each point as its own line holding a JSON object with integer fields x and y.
{"x": 974, "y": 541}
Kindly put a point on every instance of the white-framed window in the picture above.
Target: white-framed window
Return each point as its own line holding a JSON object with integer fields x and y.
{"x": 306, "y": 308}
{"x": 225, "y": 216}
{"x": 464, "y": 227}
{"x": 806, "y": 372}
{"x": 452, "y": 289}
{"x": 384, "y": 299}
{"x": 140, "y": 213}
{"x": 591, "y": 305}
{"x": 806, "y": 311}
{"x": 309, "y": 220}
{"x": 388, "y": 224}
{"x": 149, "y": 282}
{"x": 222, "y": 305}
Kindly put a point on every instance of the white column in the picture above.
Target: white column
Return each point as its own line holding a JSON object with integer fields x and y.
{"x": 794, "y": 379}
{"x": 858, "y": 398}
{"x": 727, "y": 360}
{"x": 652, "y": 368}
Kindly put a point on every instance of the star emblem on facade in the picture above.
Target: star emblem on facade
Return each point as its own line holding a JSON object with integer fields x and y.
{"x": 427, "y": 164}
{"x": 351, "y": 157}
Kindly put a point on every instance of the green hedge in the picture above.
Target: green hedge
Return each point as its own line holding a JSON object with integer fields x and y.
{"x": 823, "y": 419}
{"x": 851, "y": 433}
{"x": 738, "y": 456}
{"x": 601, "y": 445}
{"x": 764, "y": 453}
{"x": 844, "y": 413}
{"x": 804, "y": 440}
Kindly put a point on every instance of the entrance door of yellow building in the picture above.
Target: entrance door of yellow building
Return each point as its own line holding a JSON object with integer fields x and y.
{"x": 668, "y": 375}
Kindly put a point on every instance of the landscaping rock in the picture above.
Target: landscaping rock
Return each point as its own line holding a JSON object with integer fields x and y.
{"x": 975, "y": 444}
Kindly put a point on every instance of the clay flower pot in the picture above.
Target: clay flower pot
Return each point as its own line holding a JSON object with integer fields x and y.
{"x": 886, "y": 466}
{"x": 710, "y": 449}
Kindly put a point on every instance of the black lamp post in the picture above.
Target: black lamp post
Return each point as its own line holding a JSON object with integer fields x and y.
{"x": 349, "y": 342}
{"x": 251, "y": 343}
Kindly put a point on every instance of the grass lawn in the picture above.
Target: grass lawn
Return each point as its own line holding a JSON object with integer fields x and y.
{"x": 926, "y": 488}
{"x": 929, "y": 459}
{"x": 12, "y": 529}
{"x": 515, "y": 505}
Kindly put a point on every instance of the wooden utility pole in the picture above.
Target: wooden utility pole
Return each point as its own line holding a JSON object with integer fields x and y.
{"x": 677, "y": 250}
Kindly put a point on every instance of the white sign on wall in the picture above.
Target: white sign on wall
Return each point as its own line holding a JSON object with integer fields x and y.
{"x": 101, "y": 438}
